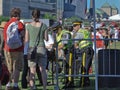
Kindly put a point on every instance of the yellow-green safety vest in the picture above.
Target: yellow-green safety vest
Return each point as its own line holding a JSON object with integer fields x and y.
{"x": 59, "y": 37}
{"x": 87, "y": 35}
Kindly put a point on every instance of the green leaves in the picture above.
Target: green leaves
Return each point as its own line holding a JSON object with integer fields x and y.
{"x": 49, "y": 16}
{"x": 3, "y": 18}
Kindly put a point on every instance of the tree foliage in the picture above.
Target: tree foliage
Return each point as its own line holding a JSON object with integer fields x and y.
{"x": 49, "y": 16}
{"x": 68, "y": 21}
{"x": 3, "y": 18}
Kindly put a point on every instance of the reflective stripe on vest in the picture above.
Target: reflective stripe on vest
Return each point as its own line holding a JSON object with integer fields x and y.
{"x": 84, "y": 43}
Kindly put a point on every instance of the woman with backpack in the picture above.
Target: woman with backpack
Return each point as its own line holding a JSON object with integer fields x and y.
{"x": 14, "y": 47}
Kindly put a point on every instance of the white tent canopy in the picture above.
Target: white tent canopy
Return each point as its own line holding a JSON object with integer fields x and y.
{"x": 115, "y": 17}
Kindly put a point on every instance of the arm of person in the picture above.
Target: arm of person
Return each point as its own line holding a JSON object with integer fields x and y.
{"x": 45, "y": 32}
{"x": 26, "y": 36}
{"x": 46, "y": 35}
{"x": 76, "y": 45}
{"x": 26, "y": 43}
{"x": 60, "y": 46}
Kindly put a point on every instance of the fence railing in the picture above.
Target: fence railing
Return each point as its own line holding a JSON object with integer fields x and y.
{"x": 105, "y": 66}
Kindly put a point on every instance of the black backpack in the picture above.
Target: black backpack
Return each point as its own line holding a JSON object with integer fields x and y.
{"x": 4, "y": 73}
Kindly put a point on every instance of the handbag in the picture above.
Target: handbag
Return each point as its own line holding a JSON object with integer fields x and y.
{"x": 33, "y": 51}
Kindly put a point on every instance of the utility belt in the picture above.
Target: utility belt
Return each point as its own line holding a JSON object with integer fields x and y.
{"x": 78, "y": 54}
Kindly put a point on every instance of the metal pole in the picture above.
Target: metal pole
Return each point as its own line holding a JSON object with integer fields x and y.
{"x": 96, "y": 63}
{"x": 56, "y": 87}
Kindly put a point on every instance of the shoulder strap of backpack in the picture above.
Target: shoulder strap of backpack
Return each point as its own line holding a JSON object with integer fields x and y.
{"x": 38, "y": 36}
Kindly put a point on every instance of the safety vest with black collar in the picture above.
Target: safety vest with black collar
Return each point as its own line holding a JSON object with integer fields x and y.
{"x": 60, "y": 36}
{"x": 85, "y": 43}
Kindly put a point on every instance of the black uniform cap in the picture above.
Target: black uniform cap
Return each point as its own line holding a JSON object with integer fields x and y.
{"x": 77, "y": 23}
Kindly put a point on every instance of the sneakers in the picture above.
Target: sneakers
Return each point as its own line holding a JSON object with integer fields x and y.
{"x": 68, "y": 84}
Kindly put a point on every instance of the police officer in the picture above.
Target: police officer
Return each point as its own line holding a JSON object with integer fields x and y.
{"x": 63, "y": 37}
{"x": 66, "y": 37}
{"x": 77, "y": 54}
{"x": 85, "y": 46}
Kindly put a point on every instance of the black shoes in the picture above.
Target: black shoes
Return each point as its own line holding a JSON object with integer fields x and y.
{"x": 69, "y": 85}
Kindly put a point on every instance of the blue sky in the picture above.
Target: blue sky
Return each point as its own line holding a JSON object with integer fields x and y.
{"x": 99, "y": 3}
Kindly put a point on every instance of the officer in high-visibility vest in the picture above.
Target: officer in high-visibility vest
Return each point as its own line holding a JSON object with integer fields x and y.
{"x": 63, "y": 38}
{"x": 68, "y": 50}
{"x": 77, "y": 54}
{"x": 87, "y": 52}
{"x": 87, "y": 56}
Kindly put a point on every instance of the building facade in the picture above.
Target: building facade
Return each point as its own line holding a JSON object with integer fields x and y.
{"x": 114, "y": 10}
{"x": 59, "y": 8}
{"x": 110, "y": 10}
{"x": 27, "y": 6}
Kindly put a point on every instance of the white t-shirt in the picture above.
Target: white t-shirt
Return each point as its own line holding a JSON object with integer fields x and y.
{"x": 49, "y": 42}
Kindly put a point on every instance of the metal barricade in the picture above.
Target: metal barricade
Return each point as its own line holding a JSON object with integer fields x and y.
{"x": 106, "y": 64}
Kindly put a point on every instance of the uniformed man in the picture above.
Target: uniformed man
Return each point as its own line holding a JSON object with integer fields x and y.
{"x": 85, "y": 45}
{"x": 77, "y": 54}
{"x": 63, "y": 37}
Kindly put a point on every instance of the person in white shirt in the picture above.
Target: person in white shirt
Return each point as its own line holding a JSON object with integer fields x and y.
{"x": 49, "y": 46}
{"x": 49, "y": 43}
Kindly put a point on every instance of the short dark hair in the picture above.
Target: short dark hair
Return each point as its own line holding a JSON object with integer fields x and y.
{"x": 15, "y": 12}
{"x": 36, "y": 14}
{"x": 56, "y": 25}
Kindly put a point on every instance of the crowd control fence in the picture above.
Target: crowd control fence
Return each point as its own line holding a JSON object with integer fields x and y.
{"x": 105, "y": 69}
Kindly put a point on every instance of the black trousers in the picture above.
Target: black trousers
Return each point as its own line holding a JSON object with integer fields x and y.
{"x": 69, "y": 67}
{"x": 87, "y": 56}
{"x": 24, "y": 81}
